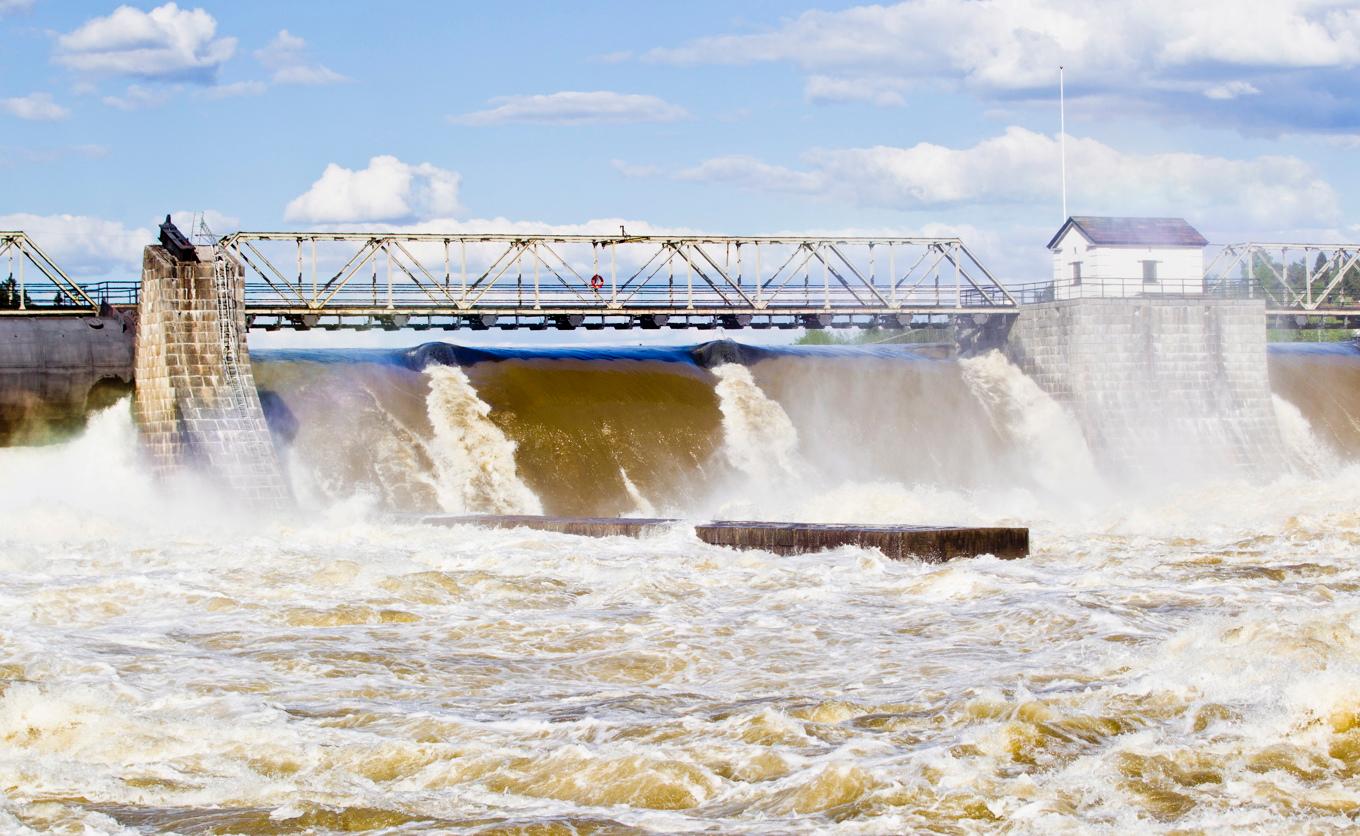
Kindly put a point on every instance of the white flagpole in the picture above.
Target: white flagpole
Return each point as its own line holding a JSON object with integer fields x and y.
{"x": 1062, "y": 139}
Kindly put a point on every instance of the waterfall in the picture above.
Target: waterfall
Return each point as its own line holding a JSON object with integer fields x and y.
{"x": 642, "y": 506}
{"x": 758, "y": 437}
{"x": 474, "y": 462}
{"x": 1307, "y": 451}
{"x": 1047, "y": 435}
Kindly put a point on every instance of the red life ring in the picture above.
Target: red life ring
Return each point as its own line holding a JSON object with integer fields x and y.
{"x": 596, "y": 282}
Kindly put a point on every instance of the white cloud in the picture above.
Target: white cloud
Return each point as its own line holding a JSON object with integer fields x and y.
{"x": 1231, "y": 90}
{"x": 574, "y": 108}
{"x": 235, "y": 88}
{"x": 137, "y": 97}
{"x": 1010, "y": 44}
{"x": 87, "y": 248}
{"x": 286, "y": 57}
{"x": 37, "y": 107}
{"x": 387, "y": 190}
{"x": 749, "y": 172}
{"x": 167, "y": 43}
{"x": 879, "y": 90}
{"x": 1007, "y": 48}
{"x": 1020, "y": 167}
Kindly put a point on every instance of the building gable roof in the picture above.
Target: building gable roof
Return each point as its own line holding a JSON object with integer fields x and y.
{"x": 1115, "y": 232}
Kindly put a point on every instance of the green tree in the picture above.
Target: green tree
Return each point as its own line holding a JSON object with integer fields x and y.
{"x": 9, "y": 295}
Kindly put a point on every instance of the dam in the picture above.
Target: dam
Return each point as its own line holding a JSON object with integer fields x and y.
{"x": 353, "y": 665}
{"x": 1168, "y": 379}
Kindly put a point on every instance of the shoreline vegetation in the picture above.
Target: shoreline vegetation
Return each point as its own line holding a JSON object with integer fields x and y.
{"x": 874, "y": 336}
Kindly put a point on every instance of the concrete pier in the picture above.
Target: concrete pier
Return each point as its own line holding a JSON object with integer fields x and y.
{"x": 932, "y": 544}
{"x": 195, "y": 401}
{"x": 54, "y": 370}
{"x": 1159, "y": 385}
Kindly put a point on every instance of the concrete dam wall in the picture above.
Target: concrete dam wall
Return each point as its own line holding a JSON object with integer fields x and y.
{"x": 196, "y": 404}
{"x": 1159, "y": 386}
{"x": 54, "y": 370}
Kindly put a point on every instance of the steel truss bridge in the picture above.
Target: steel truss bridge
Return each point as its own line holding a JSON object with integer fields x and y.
{"x": 570, "y": 281}
{"x": 417, "y": 280}
{"x": 430, "y": 280}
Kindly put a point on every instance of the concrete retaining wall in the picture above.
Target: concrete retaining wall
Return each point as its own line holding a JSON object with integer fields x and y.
{"x": 196, "y": 405}
{"x": 54, "y": 369}
{"x": 1159, "y": 386}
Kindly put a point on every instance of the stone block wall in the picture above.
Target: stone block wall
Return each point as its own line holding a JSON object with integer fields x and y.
{"x": 195, "y": 401}
{"x": 1161, "y": 387}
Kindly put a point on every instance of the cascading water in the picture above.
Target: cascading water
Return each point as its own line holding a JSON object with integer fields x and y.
{"x": 474, "y": 462}
{"x": 1309, "y": 454}
{"x": 1180, "y": 661}
{"x": 758, "y": 438}
{"x": 1048, "y": 435}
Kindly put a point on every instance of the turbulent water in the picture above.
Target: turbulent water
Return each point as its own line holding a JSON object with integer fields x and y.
{"x": 1171, "y": 659}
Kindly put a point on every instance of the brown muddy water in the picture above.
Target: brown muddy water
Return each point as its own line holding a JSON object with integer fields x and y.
{"x": 1175, "y": 656}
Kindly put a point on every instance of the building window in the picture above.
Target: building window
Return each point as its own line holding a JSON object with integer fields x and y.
{"x": 1149, "y": 272}
{"x": 1076, "y": 272}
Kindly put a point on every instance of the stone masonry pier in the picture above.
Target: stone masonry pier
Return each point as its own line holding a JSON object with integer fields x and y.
{"x": 195, "y": 400}
{"x": 1160, "y": 386}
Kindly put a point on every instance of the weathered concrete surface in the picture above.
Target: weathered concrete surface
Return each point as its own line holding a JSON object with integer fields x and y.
{"x": 195, "y": 403}
{"x": 53, "y": 370}
{"x": 932, "y": 544}
{"x": 1159, "y": 386}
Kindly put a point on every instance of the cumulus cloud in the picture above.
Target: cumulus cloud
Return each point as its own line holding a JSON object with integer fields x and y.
{"x": 574, "y": 108}
{"x": 167, "y": 43}
{"x": 387, "y": 190}
{"x": 37, "y": 107}
{"x": 1019, "y": 167}
{"x": 286, "y": 57}
{"x": 1007, "y": 49}
{"x": 87, "y": 248}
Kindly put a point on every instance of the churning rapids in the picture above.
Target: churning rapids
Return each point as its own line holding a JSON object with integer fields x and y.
{"x": 1177, "y": 654}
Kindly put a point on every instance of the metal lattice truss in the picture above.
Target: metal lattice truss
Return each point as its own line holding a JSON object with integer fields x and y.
{"x": 29, "y": 273}
{"x": 1312, "y": 278}
{"x": 568, "y": 277}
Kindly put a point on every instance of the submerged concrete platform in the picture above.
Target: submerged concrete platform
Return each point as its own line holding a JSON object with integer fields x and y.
{"x": 933, "y": 544}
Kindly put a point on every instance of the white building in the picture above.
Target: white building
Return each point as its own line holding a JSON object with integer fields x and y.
{"x": 1095, "y": 256}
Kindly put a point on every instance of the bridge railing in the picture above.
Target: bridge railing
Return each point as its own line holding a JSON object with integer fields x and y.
{"x": 1135, "y": 287}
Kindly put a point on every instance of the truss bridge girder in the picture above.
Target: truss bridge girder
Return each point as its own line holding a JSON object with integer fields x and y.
{"x": 1307, "y": 278}
{"x": 313, "y": 274}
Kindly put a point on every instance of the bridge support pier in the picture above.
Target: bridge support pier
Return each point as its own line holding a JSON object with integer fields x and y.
{"x": 1158, "y": 385}
{"x": 195, "y": 401}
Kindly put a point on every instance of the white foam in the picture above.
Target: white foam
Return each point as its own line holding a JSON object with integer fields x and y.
{"x": 758, "y": 437}
{"x": 1049, "y": 437}
{"x": 474, "y": 461}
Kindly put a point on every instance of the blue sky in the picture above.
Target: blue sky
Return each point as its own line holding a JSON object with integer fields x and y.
{"x": 934, "y": 116}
